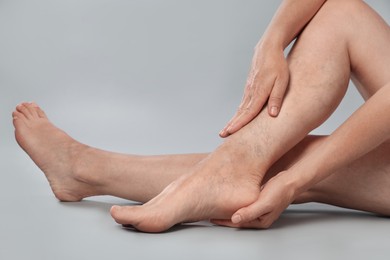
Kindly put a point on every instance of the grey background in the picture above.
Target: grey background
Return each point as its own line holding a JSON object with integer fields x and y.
{"x": 146, "y": 77}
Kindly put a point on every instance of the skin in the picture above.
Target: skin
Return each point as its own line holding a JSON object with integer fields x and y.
{"x": 343, "y": 142}
{"x": 81, "y": 171}
{"x": 282, "y": 189}
{"x": 216, "y": 185}
{"x": 269, "y": 74}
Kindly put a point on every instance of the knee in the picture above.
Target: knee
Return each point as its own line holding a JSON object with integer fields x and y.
{"x": 336, "y": 21}
{"x": 346, "y": 11}
{"x": 345, "y": 6}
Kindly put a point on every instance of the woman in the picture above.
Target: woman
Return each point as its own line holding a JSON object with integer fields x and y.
{"x": 267, "y": 160}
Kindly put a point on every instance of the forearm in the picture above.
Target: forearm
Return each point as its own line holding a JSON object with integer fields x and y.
{"x": 290, "y": 18}
{"x": 366, "y": 129}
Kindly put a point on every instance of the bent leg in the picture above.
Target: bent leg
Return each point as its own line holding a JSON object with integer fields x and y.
{"x": 315, "y": 89}
{"x": 369, "y": 44}
{"x": 320, "y": 70}
{"x": 364, "y": 183}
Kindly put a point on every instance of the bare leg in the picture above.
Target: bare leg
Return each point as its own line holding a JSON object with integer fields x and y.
{"x": 309, "y": 43}
{"x": 320, "y": 68}
{"x": 76, "y": 171}
{"x": 228, "y": 178}
{"x": 23, "y": 143}
{"x": 362, "y": 185}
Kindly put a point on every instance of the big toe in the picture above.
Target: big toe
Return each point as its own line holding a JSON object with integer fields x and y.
{"x": 140, "y": 218}
{"x": 30, "y": 110}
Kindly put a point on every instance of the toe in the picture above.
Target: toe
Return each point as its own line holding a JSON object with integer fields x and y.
{"x": 38, "y": 110}
{"x": 18, "y": 118}
{"x": 32, "y": 109}
{"x": 17, "y": 115}
{"x": 22, "y": 108}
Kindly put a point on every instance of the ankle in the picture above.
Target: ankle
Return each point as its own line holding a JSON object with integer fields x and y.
{"x": 246, "y": 154}
{"x": 83, "y": 165}
{"x": 241, "y": 161}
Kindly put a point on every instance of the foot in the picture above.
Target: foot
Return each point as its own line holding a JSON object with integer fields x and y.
{"x": 216, "y": 189}
{"x": 53, "y": 151}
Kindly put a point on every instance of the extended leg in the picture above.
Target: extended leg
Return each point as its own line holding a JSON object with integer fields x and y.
{"x": 76, "y": 171}
{"x": 363, "y": 185}
{"x": 35, "y": 155}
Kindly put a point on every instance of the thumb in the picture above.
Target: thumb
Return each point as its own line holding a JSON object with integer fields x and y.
{"x": 251, "y": 212}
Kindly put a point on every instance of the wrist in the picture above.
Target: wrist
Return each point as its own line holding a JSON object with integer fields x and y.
{"x": 271, "y": 43}
{"x": 297, "y": 183}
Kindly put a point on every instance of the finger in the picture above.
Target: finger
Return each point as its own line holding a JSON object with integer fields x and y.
{"x": 224, "y": 222}
{"x": 246, "y": 99}
{"x": 258, "y": 223}
{"x": 224, "y": 133}
{"x": 276, "y": 97}
{"x": 253, "y": 108}
{"x": 239, "y": 121}
{"x": 249, "y": 213}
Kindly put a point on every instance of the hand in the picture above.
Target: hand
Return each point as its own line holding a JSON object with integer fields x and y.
{"x": 267, "y": 80}
{"x": 275, "y": 196}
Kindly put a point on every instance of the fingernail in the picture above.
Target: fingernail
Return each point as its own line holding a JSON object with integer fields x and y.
{"x": 229, "y": 130}
{"x": 236, "y": 219}
{"x": 274, "y": 111}
{"x": 115, "y": 207}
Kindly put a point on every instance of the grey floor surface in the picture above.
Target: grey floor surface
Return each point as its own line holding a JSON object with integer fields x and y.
{"x": 146, "y": 77}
